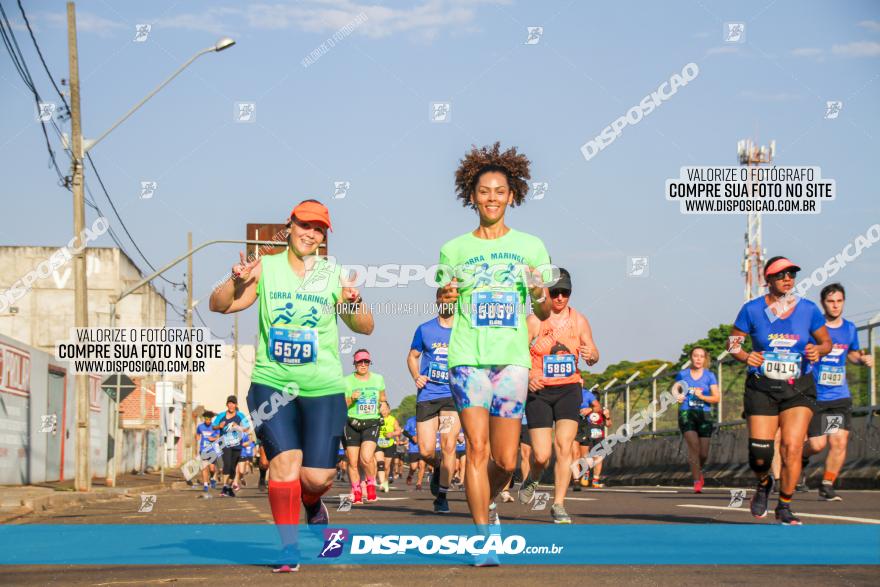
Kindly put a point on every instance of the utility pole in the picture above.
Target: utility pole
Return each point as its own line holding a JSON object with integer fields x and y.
{"x": 235, "y": 355}
{"x": 751, "y": 155}
{"x": 83, "y": 479}
{"x": 188, "y": 432}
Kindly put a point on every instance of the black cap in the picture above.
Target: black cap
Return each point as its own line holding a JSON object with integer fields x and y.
{"x": 564, "y": 281}
{"x": 232, "y": 399}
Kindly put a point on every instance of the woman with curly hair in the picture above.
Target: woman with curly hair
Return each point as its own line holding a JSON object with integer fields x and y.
{"x": 491, "y": 272}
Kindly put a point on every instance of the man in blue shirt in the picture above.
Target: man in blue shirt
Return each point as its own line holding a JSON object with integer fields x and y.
{"x": 233, "y": 424}
{"x": 436, "y": 416}
{"x": 832, "y": 417}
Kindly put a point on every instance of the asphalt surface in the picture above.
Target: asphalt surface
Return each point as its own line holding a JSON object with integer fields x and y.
{"x": 615, "y": 505}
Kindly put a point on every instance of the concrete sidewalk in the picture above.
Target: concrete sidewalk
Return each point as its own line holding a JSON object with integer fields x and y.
{"x": 20, "y": 500}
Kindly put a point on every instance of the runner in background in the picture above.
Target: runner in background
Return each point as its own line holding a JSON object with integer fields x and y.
{"x": 263, "y": 464}
{"x": 492, "y": 273}
{"x": 555, "y": 391}
{"x": 598, "y": 421}
{"x": 582, "y": 443}
{"x": 364, "y": 392}
{"x": 695, "y": 415}
{"x": 246, "y": 463}
{"x": 388, "y": 433}
{"x": 413, "y": 458}
{"x": 436, "y": 415}
{"x": 300, "y": 295}
{"x": 459, "y": 460}
{"x": 233, "y": 424}
{"x": 832, "y": 420}
{"x": 205, "y": 438}
{"x": 780, "y": 392}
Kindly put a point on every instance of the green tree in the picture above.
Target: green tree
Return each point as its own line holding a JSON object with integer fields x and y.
{"x": 406, "y": 409}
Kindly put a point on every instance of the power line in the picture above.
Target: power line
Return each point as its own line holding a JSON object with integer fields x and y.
{"x": 21, "y": 64}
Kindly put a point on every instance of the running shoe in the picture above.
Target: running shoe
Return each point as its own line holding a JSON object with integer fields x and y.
{"x": 506, "y": 497}
{"x": 357, "y": 498}
{"x": 527, "y": 490}
{"x": 559, "y": 515}
{"x": 494, "y": 520}
{"x": 385, "y": 487}
{"x": 785, "y": 517}
{"x": 205, "y": 488}
{"x": 418, "y": 486}
{"x": 409, "y": 479}
{"x": 698, "y": 485}
{"x": 371, "y": 493}
{"x": 213, "y": 484}
{"x": 286, "y": 568}
{"x": 486, "y": 560}
{"x": 236, "y": 487}
{"x": 441, "y": 505}
{"x": 597, "y": 484}
{"x": 758, "y": 504}
{"x": 317, "y": 514}
{"x": 435, "y": 484}
{"x": 827, "y": 493}
{"x": 585, "y": 482}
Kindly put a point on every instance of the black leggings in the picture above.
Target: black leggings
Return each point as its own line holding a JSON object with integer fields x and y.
{"x": 231, "y": 456}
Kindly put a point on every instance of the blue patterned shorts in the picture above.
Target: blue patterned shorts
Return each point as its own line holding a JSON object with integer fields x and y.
{"x": 501, "y": 389}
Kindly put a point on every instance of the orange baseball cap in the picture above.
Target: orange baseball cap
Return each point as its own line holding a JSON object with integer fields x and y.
{"x": 311, "y": 211}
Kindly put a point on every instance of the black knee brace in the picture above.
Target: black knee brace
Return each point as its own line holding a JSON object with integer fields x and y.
{"x": 381, "y": 465}
{"x": 760, "y": 454}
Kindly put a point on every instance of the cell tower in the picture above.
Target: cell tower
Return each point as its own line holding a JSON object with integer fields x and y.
{"x": 753, "y": 257}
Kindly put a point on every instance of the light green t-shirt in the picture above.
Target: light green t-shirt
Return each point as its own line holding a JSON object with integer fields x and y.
{"x": 367, "y": 405}
{"x": 489, "y": 327}
{"x": 299, "y": 339}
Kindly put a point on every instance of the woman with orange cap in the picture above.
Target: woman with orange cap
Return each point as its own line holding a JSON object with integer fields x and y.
{"x": 297, "y": 375}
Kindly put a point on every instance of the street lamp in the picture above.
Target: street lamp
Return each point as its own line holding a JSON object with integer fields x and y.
{"x": 221, "y": 45}
{"x": 79, "y": 147}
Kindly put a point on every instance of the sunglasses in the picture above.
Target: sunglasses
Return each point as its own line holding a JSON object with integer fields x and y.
{"x": 783, "y": 274}
{"x": 563, "y": 292}
{"x": 363, "y": 362}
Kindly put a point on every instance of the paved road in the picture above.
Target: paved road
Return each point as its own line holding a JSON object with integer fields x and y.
{"x": 619, "y": 505}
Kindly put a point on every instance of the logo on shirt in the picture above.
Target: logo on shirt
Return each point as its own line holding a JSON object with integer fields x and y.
{"x": 784, "y": 341}
{"x": 334, "y": 540}
{"x": 838, "y": 350}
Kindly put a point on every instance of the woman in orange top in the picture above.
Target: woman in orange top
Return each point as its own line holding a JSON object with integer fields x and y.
{"x": 555, "y": 386}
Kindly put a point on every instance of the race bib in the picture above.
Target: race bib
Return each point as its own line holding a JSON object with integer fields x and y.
{"x": 596, "y": 433}
{"x": 694, "y": 401}
{"x": 781, "y": 366}
{"x": 367, "y": 407}
{"x": 293, "y": 347}
{"x": 494, "y": 308}
{"x": 832, "y": 376}
{"x": 559, "y": 366}
{"x": 438, "y": 372}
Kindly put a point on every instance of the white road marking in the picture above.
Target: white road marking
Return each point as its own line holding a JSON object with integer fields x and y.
{"x": 802, "y": 515}
{"x": 637, "y": 490}
{"x": 580, "y": 499}
{"x": 392, "y": 498}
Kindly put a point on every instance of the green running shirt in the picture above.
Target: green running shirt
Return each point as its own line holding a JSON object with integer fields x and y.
{"x": 367, "y": 405}
{"x": 489, "y": 327}
{"x": 299, "y": 338}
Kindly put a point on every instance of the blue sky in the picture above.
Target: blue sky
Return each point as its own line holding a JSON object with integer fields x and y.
{"x": 360, "y": 114}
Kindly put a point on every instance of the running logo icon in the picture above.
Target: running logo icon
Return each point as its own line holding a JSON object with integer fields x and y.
{"x": 344, "y": 503}
{"x": 49, "y": 423}
{"x": 441, "y": 112}
{"x": 45, "y": 110}
{"x": 637, "y": 267}
{"x": 832, "y": 109}
{"x": 534, "y": 35}
{"x": 737, "y": 497}
{"x": 141, "y": 32}
{"x": 334, "y": 541}
{"x": 340, "y": 189}
{"x": 833, "y": 423}
{"x": 540, "y": 501}
{"x": 245, "y": 112}
{"x": 734, "y": 32}
{"x": 148, "y": 188}
{"x": 539, "y": 189}
{"x": 346, "y": 344}
{"x": 147, "y": 503}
